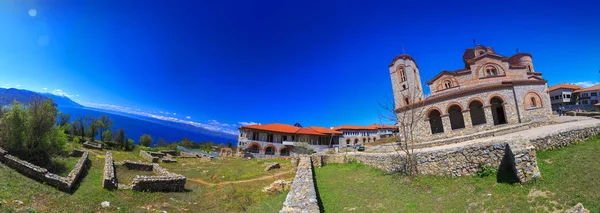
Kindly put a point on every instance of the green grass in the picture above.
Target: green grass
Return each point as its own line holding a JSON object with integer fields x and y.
{"x": 125, "y": 176}
{"x": 197, "y": 198}
{"x": 231, "y": 169}
{"x": 569, "y": 175}
{"x": 62, "y": 165}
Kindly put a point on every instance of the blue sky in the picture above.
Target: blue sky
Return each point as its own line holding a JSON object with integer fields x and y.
{"x": 314, "y": 62}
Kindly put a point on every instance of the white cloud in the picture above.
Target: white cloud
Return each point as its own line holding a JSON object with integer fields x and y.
{"x": 45, "y": 88}
{"x": 18, "y": 85}
{"x": 247, "y": 123}
{"x": 586, "y": 83}
{"x": 174, "y": 113}
{"x": 212, "y": 125}
{"x": 61, "y": 93}
{"x": 188, "y": 117}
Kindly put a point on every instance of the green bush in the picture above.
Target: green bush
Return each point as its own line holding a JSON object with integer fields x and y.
{"x": 146, "y": 140}
{"x": 30, "y": 132}
{"x": 486, "y": 171}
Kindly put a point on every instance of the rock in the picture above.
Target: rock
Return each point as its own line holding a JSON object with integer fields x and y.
{"x": 18, "y": 202}
{"x": 278, "y": 186}
{"x": 272, "y": 166}
{"x": 577, "y": 209}
{"x": 105, "y": 204}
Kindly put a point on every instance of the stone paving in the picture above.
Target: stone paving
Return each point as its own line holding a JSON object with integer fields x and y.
{"x": 563, "y": 123}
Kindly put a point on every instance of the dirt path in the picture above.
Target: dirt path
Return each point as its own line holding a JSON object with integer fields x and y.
{"x": 197, "y": 180}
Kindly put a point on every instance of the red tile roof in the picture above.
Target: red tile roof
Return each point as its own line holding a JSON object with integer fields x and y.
{"x": 285, "y": 128}
{"x": 564, "y": 86}
{"x": 592, "y": 88}
{"x": 371, "y": 127}
{"x": 324, "y": 130}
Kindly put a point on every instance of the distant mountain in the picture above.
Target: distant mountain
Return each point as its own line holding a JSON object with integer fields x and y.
{"x": 7, "y": 96}
{"x": 134, "y": 125}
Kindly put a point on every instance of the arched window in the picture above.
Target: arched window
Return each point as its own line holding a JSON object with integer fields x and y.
{"x": 528, "y": 68}
{"x": 401, "y": 74}
{"x": 406, "y": 101}
{"x": 447, "y": 84}
{"x": 490, "y": 71}
{"x": 481, "y": 52}
{"x": 269, "y": 150}
{"x": 403, "y": 86}
{"x": 533, "y": 103}
{"x": 435, "y": 122}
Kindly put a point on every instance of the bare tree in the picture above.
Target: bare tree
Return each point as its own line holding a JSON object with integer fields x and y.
{"x": 409, "y": 120}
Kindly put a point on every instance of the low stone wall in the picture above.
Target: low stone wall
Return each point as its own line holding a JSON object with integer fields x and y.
{"x": 109, "y": 180}
{"x": 565, "y": 138}
{"x": 163, "y": 181}
{"x": 156, "y": 154}
{"x": 92, "y": 145}
{"x": 148, "y": 156}
{"x": 460, "y": 161}
{"x": 65, "y": 184}
{"x": 140, "y": 166}
{"x": 76, "y": 153}
{"x": 303, "y": 195}
{"x": 170, "y": 152}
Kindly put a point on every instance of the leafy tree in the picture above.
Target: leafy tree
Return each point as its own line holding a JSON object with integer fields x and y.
{"x": 80, "y": 121}
{"x": 146, "y": 140}
{"x": 105, "y": 123}
{"x": 94, "y": 125}
{"x": 106, "y": 135}
{"x": 120, "y": 137}
{"x": 206, "y": 146}
{"x": 186, "y": 143}
{"x": 161, "y": 143}
{"x": 129, "y": 144}
{"x": 63, "y": 119}
{"x": 31, "y": 133}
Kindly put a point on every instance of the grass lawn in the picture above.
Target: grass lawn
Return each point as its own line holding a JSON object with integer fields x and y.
{"x": 125, "y": 176}
{"x": 62, "y": 165}
{"x": 569, "y": 175}
{"x": 198, "y": 198}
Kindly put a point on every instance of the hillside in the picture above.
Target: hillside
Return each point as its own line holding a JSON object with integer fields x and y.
{"x": 7, "y": 96}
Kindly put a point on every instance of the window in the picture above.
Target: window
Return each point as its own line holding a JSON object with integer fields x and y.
{"x": 568, "y": 96}
{"x": 585, "y": 95}
{"x": 533, "y": 103}
{"x": 481, "y": 52}
{"x": 284, "y": 138}
{"x": 594, "y": 94}
{"x": 491, "y": 71}
{"x": 557, "y": 97}
{"x": 406, "y": 101}
{"x": 584, "y": 102}
{"x": 403, "y": 86}
{"x": 528, "y": 68}
{"x": 447, "y": 84}
{"x": 402, "y": 74}
{"x": 269, "y": 137}
{"x": 594, "y": 101}
{"x": 552, "y": 98}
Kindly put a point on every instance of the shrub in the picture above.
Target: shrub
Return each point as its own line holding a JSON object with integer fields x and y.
{"x": 145, "y": 140}
{"x": 129, "y": 144}
{"x": 31, "y": 133}
{"x": 486, "y": 171}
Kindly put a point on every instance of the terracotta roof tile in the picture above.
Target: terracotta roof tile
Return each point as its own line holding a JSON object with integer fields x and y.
{"x": 592, "y": 88}
{"x": 324, "y": 130}
{"x": 370, "y": 127}
{"x": 564, "y": 86}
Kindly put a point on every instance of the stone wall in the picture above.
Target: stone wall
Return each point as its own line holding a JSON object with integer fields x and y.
{"x": 303, "y": 195}
{"x": 148, "y": 156}
{"x": 92, "y": 145}
{"x": 565, "y": 138}
{"x": 163, "y": 181}
{"x": 30, "y": 170}
{"x": 460, "y": 161}
{"x": 140, "y": 166}
{"x": 109, "y": 180}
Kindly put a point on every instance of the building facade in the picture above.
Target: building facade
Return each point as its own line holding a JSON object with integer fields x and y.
{"x": 264, "y": 140}
{"x": 563, "y": 95}
{"x": 352, "y": 135}
{"x": 587, "y": 97}
{"x": 491, "y": 90}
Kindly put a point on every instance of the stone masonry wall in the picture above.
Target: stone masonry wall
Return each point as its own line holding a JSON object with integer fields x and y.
{"x": 109, "y": 180}
{"x": 41, "y": 174}
{"x": 565, "y": 138}
{"x": 163, "y": 181}
{"x": 148, "y": 156}
{"x": 303, "y": 195}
